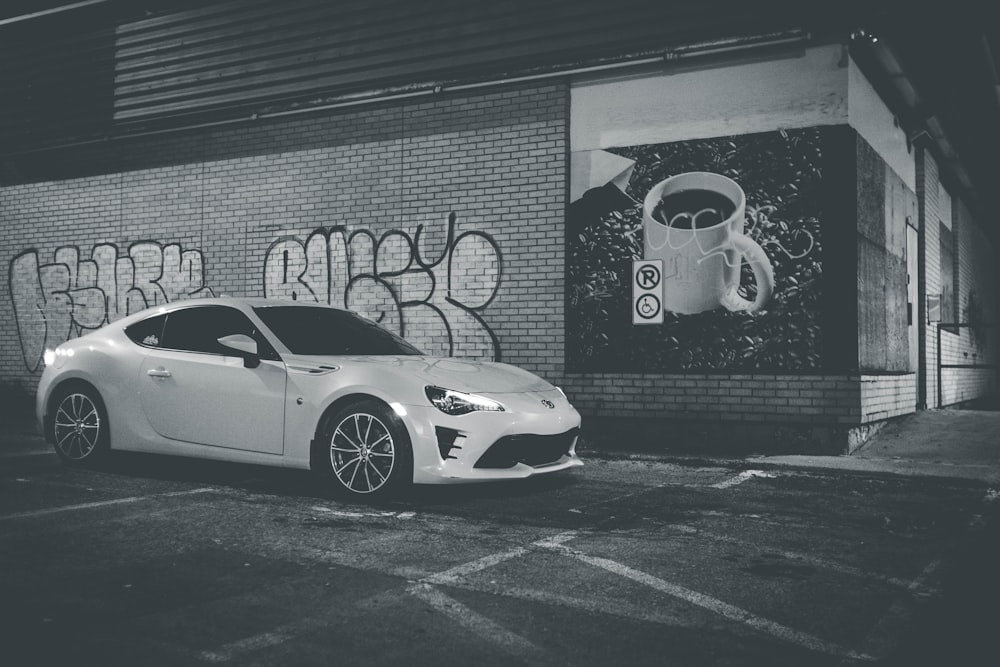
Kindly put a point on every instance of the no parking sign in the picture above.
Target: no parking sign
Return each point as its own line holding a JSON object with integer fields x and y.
{"x": 647, "y": 291}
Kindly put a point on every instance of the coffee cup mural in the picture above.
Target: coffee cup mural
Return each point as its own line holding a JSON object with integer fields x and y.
{"x": 737, "y": 223}
{"x": 694, "y": 222}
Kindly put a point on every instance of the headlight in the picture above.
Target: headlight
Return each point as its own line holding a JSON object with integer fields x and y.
{"x": 458, "y": 403}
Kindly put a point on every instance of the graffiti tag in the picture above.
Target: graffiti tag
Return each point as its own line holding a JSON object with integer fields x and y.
{"x": 56, "y": 301}
{"x": 439, "y": 301}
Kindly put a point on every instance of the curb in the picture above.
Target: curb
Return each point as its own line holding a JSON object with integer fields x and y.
{"x": 899, "y": 468}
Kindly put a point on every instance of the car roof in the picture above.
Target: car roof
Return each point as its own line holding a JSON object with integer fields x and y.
{"x": 234, "y": 302}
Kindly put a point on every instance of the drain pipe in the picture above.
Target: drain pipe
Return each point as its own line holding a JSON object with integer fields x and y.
{"x": 699, "y": 49}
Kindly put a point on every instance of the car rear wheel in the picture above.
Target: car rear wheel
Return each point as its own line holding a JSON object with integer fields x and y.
{"x": 80, "y": 426}
{"x": 367, "y": 451}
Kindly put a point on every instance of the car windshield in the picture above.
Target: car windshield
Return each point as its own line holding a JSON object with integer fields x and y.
{"x": 324, "y": 331}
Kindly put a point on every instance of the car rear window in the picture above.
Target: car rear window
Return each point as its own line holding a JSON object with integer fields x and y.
{"x": 147, "y": 332}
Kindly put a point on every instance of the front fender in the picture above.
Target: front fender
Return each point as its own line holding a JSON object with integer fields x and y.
{"x": 310, "y": 396}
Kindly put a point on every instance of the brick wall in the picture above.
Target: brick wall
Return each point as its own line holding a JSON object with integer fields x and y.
{"x": 847, "y": 400}
{"x": 800, "y": 399}
{"x": 887, "y": 396}
{"x": 360, "y": 198}
{"x": 352, "y": 208}
{"x": 978, "y": 294}
{"x": 977, "y": 277}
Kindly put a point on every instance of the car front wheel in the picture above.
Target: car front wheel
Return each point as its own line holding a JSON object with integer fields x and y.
{"x": 367, "y": 451}
{"x": 80, "y": 426}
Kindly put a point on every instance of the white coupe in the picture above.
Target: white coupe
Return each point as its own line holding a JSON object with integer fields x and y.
{"x": 302, "y": 386}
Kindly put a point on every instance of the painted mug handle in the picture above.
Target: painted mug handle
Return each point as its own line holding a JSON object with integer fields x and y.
{"x": 762, "y": 273}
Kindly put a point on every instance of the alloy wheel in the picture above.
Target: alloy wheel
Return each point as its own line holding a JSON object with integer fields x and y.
{"x": 362, "y": 453}
{"x": 77, "y": 426}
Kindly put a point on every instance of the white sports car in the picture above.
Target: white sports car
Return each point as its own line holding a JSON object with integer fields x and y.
{"x": 304, "y": 386}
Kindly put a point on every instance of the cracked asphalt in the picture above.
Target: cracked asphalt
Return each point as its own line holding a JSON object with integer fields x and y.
{"x": 158, "y": 561}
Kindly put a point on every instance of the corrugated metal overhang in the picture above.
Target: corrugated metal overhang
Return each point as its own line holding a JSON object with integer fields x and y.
{"x": 56, "y": 76}
{"x": 121, "y": 68}
{"x": 249, "y": 52}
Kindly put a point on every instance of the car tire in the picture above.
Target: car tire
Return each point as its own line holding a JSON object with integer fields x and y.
{"x": 80, "y": 426}
{"x": 365, "y": 451}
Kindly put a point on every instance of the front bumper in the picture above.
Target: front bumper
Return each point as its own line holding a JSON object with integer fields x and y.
{"x": 525, "y": 440}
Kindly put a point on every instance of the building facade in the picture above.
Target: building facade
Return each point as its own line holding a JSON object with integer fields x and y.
{"x": 507, "y": 213}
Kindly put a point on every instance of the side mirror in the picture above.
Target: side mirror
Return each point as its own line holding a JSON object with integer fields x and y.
{"x": 244, "y": 346}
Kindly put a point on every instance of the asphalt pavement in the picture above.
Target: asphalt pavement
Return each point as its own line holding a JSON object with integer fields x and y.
{"x": 883, "y": 557}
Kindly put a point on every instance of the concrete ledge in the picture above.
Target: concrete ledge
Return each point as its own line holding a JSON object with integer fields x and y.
{"x": 717, "y": 438}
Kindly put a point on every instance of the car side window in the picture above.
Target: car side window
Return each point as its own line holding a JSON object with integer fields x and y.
{"x": 147, "y": 332}
{"x": 198, "y": 329}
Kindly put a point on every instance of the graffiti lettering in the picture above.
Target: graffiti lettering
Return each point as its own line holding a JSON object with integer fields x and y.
{"x": 56, "y": 301}
{"x": 759, "y": 219}
{"x": 438, "y": 302}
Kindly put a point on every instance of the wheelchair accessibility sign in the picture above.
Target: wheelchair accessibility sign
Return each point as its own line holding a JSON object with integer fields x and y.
{"x": 647, "y": 291}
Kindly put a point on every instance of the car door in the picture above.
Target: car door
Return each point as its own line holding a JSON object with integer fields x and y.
{"x": 195, "y": 390}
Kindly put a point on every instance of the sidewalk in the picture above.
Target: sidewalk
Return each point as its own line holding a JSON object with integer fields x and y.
{"x": 960, "y": 444}
{"x": 957, "y": 444}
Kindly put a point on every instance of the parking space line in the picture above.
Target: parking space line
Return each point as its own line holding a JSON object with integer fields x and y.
{"x": 606, "y": 501}
{"x": 510, "y": 642}
{"x": 459, "y": 571}
{"x": 717, "y": 606}
{"x": 742, "y": 477}
{"x": 364, "y": 515}
{"x": 23, "y": 454}
{"x": 298, "y": 628}
{"x": 100, "y": 503}
{"x": 810, "y": 560}
{"x": 465, "y": 569}
{"x": 227, "y": 652}
{"x": 599, "y": 606}
{"x": 887, "y": 631}
{"x": 893, "y": 624}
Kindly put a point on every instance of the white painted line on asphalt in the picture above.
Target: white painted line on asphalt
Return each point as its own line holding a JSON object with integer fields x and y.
{"x": 285, "y": 633}
{"x": 742, "y": 477}
{"x": 424, "y": 589}
{"x": 101, "y": 503}
{"x": 556, "y": 540}
{"x": 509, "y": 642}
{"x": 889, "y": 629}
{"x": 724, "y": 609}
{"x": 673, "y": 616}
{"x": 22, "y": 454}
{"x": 606, "y": 501}
{"x": 799, "y": 557}
{"x": 365, "y": 515}
{"x": 229, "y": 651}
{"x": 465, "y": 569}
{"x": 453, "y": 574}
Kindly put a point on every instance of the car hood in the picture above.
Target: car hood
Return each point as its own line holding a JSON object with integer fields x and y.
{"x": 458, "y": 374}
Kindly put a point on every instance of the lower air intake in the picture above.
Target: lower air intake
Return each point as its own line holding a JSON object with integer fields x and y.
{"x": 532, "y": 450}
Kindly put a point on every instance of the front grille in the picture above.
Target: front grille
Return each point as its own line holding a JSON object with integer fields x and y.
{"x": 533, "y": 450}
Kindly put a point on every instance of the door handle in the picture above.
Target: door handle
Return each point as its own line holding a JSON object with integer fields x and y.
{"x": 158, "y": 373}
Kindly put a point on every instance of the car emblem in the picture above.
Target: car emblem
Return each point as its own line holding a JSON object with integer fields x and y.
{"x": 549, "y": 404}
